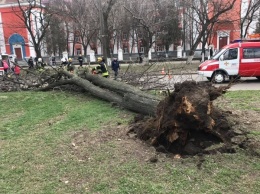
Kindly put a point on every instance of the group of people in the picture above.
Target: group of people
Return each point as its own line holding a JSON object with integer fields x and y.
{"x": 101, "y": 68}
{"x": 68, "y": 64}
{"x": 11, "y": 67}
{"x": 37, "y": 62}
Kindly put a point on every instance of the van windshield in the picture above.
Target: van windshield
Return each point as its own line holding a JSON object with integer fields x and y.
{"x": 218, "y": 54}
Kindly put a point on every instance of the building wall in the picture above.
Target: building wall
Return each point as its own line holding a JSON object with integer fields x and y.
{"x": 14, "y": 36}
{"x": 14, "y": 32}
{"x": 228, "y": 29}
{"x": 2, "y": 39}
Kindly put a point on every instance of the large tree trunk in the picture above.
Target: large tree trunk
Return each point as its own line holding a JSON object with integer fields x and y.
{"x": 120, "y": 93}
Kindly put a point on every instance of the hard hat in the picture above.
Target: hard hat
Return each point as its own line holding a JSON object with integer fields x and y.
{"x": 99, "y": 59}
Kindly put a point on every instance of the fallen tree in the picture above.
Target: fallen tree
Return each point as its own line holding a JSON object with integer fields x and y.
{"x": 121, "y": 94}
{"x": 185, "y": 122}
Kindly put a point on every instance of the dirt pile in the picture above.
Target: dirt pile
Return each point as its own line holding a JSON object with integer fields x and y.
{"x": 187, "y": 123}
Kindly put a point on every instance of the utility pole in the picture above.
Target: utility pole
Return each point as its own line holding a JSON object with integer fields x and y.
{"x": 102, "y": 33}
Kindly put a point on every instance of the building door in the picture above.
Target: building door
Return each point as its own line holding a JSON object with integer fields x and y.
{"x": 223, "y": 41}
{"x": 18, "y": 53}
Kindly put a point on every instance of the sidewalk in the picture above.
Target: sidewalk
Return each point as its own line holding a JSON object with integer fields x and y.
{"x": 122, "y": 63}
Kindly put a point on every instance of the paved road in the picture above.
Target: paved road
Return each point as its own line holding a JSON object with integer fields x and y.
{"x": 247, "y": 83}
{"x": 250, "y": 83}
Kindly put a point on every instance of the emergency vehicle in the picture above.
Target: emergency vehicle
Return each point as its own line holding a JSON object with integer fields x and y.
{"x": 239, "y": 59}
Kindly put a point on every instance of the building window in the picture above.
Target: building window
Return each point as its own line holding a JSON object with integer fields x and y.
{"x": 160, "y": 48}
{"x": 77, "y": 39}
{"x": 125, "y": 36}
{"x": 125, "y": 50}
{"x": 141, "y": 49}
{"x": 158, "y": 33}
{"x": 111, "y": 51}
{"x": 78, "y": 52}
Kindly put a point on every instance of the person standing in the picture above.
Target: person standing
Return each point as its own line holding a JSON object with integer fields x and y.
{"x": 64, "y": 62}
{"x": 30, "y": 63}
{"x": 70, "y": 66}
{"x": 6, "y": 66}
{"x": 115, "y": 67}
{"x": 101, "y": 68}
{"x": 36, "y": 61}
{"x": 80, "y": 59}
{"x": 203, "y": 52}
{"x": 40, "y": 64}
{"x": 211, "y": 52}
{"x": 17, "y": 71}
{"x": 53, "y": 61}
{"x": 140, "y": 57}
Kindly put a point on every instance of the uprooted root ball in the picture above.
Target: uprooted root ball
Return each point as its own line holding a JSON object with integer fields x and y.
{"x": 187, "y": 123}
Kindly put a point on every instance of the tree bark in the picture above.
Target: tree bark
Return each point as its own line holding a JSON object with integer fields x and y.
{"x": 109, "y": 90}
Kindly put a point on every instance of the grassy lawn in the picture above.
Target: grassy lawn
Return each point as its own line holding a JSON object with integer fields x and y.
{"x": 56, "y": 142}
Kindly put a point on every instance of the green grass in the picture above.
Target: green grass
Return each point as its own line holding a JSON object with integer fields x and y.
{"x": 247, "y": 100}
{"x": 23, "y": 113}
{"x": 37, "y": 152}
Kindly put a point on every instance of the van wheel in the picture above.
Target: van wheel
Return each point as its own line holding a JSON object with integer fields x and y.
{"x": 218, "y": 77}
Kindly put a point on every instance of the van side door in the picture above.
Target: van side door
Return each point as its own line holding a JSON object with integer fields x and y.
{"x": 230, "y": 61}
{"x": 250, "y": 62}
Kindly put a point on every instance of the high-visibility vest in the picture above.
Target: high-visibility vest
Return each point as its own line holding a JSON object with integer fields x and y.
{"x": 103, "y": 67}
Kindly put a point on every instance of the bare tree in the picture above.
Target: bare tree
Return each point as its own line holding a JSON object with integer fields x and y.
{"x": 36, "y": 18}
{"x": 145, "y": 14}
{"x": 118, "y": 27}
{"x": 155, "y": 22}
{"x": 250, "y": 14}
{"x": 55, "y": 38}
{"x": 127, "y": 30}
{"x": 169, "y": 30}
{"x": 83, "y": 20}
{"x": 257, "y": 30}
{"x": 104, "y": 10}
{"x": 203, "y": 14}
